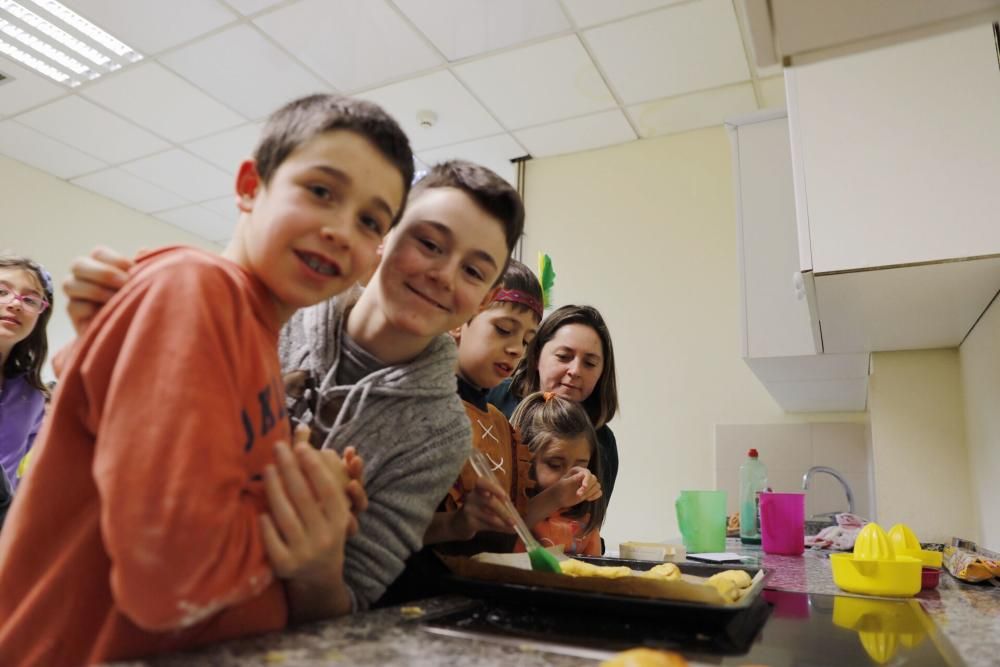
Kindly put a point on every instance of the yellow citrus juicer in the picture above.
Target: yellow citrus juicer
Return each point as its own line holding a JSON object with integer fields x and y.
{"x": 874, "y": 568}
{"x": 905, "y": 543}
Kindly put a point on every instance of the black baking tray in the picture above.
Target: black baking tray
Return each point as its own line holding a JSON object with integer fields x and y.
{"x": 529, "y": 610}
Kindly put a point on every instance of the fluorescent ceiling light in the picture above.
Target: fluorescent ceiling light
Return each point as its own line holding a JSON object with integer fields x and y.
{"x": 33, "y": 62}
{"x": 103, "y": 52}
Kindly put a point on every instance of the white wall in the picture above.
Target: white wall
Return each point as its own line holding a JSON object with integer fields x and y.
{"x": 919, "y": 450}
{"x": 646, "y": 232}
{"x": 980, "y": 361}
{"x": 53, "y": 222}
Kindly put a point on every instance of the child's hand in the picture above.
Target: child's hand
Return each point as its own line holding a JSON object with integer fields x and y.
{"x": 578, "y": 486}
{"x": 310, "y": 513}
{"x": 93, "y": 281}
{"x": 483, "y": 509}
{"x": 353, "y": 465}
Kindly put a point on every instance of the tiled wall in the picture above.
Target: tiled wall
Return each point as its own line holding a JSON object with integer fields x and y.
{"x": 788, "y": 450}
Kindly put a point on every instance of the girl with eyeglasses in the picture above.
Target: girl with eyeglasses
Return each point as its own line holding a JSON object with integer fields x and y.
{"x": 25, "y": 308}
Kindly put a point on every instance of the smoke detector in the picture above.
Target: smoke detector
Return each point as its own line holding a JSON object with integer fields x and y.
{"x": 426, "y": 118}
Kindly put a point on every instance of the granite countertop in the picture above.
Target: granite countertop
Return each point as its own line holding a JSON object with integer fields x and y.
{"x": 968, "y": 615}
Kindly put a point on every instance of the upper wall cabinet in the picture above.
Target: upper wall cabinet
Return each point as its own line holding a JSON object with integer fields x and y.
{"x": 780, "y": 331}
{"x": 896, "y": 163}
{"x": 794, "y": 32}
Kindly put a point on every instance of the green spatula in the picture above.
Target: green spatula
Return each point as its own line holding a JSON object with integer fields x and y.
{"x": 541, "y": 560}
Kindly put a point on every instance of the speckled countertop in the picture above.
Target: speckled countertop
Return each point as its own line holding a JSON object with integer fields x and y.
{"x": 968, "y": 615}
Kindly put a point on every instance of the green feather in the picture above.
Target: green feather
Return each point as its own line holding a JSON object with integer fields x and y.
{"x": 547, "y": 277}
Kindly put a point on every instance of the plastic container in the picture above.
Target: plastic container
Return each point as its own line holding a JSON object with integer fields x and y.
{"x": 874, "y": 568}
{"x": 753, "y": 480}
{"x": 930, "y": 577}
{"x": 701, "y": 516}
{"x": 782, "y": 523}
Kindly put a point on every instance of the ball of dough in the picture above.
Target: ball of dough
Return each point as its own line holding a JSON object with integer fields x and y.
{"x": 646, "y": 657}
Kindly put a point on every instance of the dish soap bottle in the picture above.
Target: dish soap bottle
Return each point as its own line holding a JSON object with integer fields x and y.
{"x": 753, "y": 480}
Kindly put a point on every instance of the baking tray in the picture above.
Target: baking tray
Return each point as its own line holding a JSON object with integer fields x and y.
{"x": 726, "y": 628}
{"x": 604, "y": 620}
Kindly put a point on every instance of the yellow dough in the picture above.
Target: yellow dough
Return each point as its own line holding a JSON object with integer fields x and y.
{"x": 738, "y": 577}
{"x": 645, "y": 657}
{"x": 664, "y": 571}
{"x": 577, "y": 568}
{"x": 730, "y": 583}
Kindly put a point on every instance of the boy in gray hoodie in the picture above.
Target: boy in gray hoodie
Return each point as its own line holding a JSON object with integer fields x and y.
{"x": 376, "y": 369}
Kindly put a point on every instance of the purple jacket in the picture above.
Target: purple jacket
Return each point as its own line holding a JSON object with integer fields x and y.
{"x": 21, "y": 410}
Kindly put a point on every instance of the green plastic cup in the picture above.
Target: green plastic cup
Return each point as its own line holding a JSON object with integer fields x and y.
{"x": 702, "y": 519}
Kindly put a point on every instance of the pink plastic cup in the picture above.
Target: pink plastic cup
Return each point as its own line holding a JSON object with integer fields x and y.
{"x": 782, "y": 523}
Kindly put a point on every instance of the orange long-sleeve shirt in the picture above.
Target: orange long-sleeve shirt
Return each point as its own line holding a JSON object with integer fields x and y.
{"x": 136, "y": 531}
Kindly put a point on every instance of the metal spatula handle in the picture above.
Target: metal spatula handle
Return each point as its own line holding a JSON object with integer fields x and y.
{"x": 484, "y": 469}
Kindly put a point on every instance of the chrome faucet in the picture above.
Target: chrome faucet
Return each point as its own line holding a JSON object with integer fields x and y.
{"x": 837, "y": 475}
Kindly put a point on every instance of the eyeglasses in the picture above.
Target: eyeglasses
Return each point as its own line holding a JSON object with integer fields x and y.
{"x": 31, "y": 303}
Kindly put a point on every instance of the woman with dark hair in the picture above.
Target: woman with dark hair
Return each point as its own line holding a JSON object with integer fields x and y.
{"x": 572, "y": 357}
{"x": 25, "y": 308}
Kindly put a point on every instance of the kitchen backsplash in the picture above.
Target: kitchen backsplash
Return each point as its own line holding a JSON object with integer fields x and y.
{"x": 789, "y": 450}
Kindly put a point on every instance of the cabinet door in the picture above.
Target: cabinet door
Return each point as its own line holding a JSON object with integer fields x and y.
{"x": 777, "y": 319}
{"x": 897, "y": 152}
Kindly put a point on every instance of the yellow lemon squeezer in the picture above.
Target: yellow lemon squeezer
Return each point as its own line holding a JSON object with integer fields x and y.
{"x": 905, "y": 543}
{"x": 875, "y": 568}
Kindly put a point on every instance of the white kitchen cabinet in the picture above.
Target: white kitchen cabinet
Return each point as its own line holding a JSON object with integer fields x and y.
{"x": 780, "y": 334}
{"x": 799, "y": 31}
{"x": 896, "y": 163}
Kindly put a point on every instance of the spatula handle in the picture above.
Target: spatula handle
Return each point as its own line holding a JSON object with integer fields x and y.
{"x": 484, "y": 469}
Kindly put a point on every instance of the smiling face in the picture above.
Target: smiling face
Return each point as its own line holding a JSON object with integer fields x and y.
{"x": 555, "y": 458}
{"x": 16, "y": 323}
{"x": 440, "y": 263}
{"x": 570, "y": 364}
{"x": 314, "y": 229}
{"x": 493, "y": 342}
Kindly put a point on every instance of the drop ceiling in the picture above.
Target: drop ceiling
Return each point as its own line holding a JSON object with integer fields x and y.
{"x": 505, "y": 78}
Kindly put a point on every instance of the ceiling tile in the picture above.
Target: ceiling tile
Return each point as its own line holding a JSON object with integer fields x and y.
{"x": 85, "y": 126}
{"x": 224, "y": 207}
{"x": 772, "y": 92}
{"x": 158, "y": 99}
{"x": 200, "y": 221}
{"x": 353, "y": 45}
{"x": 243, "y": 69}
{"x": 591, "y": 12}
{"x": 578, "y": 134}
{"x": 688, "y": 112}
{"x": 495, "y": 153}
{"x": 24, "y": 89}
{"x": 459, "y": 116}
{"x": 183, "y": 174}
{"x": 538, "y": 84}
{"x": 672, "y": 51}
{"x": 463, "y": 28}
{"x": 229, "y": 148}
{"x": 28, "y": 146}
{"x": 247, "y": 7}
{"x": 129, "y": 190}
{"x": 150, "y": 26}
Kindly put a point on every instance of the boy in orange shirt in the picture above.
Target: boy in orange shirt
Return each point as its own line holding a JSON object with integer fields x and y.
{"x": 138, "y": 529}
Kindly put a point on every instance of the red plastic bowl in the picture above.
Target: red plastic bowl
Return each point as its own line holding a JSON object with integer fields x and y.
{"x": 929, "y": 577}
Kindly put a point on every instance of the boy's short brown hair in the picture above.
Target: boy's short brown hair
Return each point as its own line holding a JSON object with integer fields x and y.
{"x": 303, "y": 119}
{"x": 492, "y": 193}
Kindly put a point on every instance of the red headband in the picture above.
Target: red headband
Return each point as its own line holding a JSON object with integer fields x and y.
{"x": 523, "y": 298}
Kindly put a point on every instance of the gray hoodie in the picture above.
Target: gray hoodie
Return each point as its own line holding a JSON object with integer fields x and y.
{"x": 405, "y": 420}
